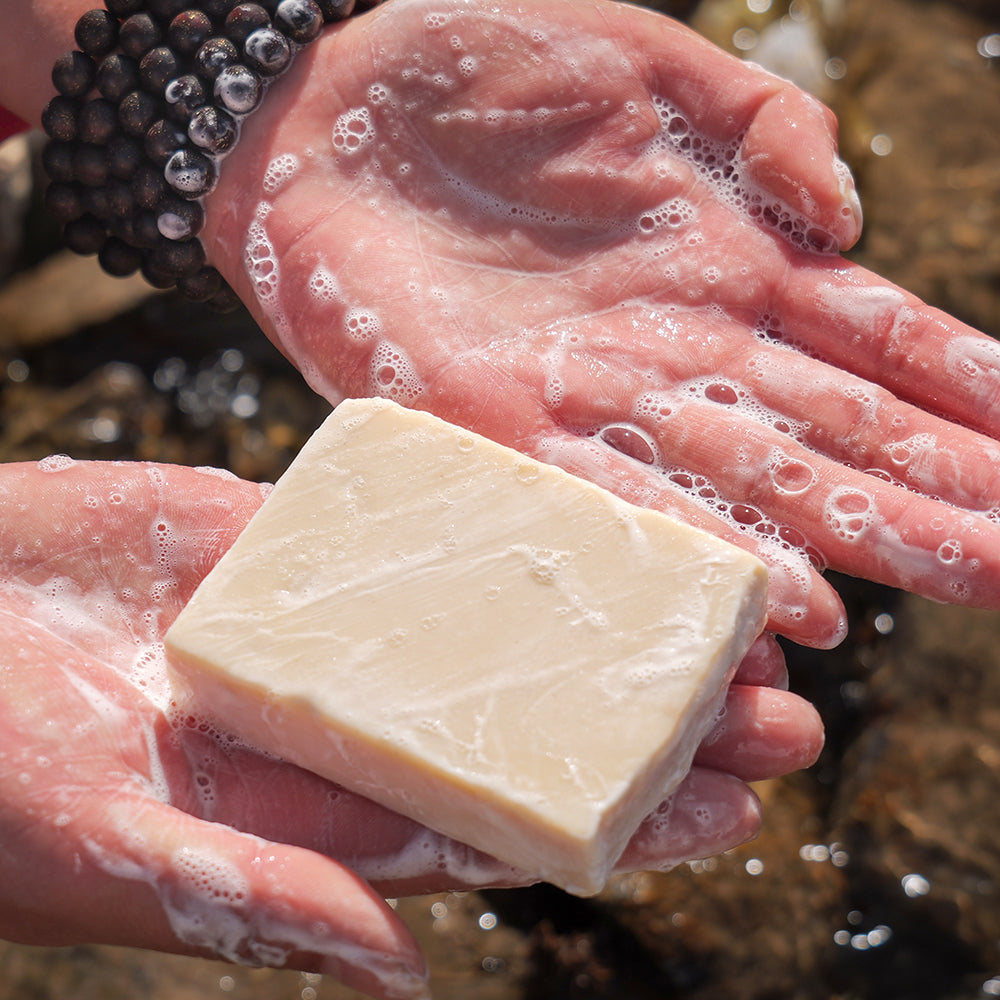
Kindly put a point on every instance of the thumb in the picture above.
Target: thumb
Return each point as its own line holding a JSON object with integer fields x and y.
{"x": 216, "y": 892}
{"x": 790, "y": 150}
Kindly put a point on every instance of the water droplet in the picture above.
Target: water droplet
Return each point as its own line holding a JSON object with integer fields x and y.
{"x": 630, "y": 441}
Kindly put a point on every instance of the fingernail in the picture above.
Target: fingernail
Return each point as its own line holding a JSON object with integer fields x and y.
{"x": 849, "y": 195}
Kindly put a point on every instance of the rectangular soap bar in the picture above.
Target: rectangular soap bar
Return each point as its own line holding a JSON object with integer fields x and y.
{"x": 502, "y": 651}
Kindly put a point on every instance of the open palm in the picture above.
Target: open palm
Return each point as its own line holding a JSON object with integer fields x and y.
{"x": 579, "y": 229}
{"x": 125, "y": 820}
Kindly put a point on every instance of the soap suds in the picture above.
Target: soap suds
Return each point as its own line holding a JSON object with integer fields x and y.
{"x": 279, "y": 172}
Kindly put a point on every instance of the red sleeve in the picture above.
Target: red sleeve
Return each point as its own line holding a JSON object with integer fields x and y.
{"x": 10, "y": 124}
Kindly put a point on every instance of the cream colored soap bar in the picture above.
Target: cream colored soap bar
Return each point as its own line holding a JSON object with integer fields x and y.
{"x": 502, "y": 651}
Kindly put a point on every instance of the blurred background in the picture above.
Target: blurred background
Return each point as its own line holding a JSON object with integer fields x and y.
{"x": 878, "y": 871}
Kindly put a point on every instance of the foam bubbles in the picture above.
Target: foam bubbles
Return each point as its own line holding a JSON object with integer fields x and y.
{"x": 392, "y": 374}
{"x": 949, "y": 552}
{"x": 654, "y": 406}
{"x": 362, "y": 325}
{"x": 674, "y": 214}
{"x": 975, "y": 363}
{"x": 378, "y": 94}
{"x": 719, "y": 164}
{"x": 436, "y": 20}
{"x": 544, "y": 565}
{"x": 210, "y": 876}
{"x": 261, "y": 262}
{"x": 353, "y": 130}
{"x": 280, "y": 171}
{"x": 902, "y": 453}
{"x": 323, "y": 285}
{"x": 790, "y": 475}
{"x": 56, "y": 463}
{"x": 849, "y": 512}
{"x": 630, "y": 440}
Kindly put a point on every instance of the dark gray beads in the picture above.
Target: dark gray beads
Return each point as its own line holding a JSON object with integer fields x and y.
{"x": 63, "y": 202}
{"x": 157, "y": 68}
{"x": 184, "y": 96}
{"x": 97, "y": 33}
{"x": 300, "y": 20}
{"x": 125, "y": 156}
{"x": 145, "y": 232}
{"x": 239, "y": 89}
{"x": 267, "y": 51}
{"x": 121, "y": 201}
{"x": 137, "y": 111}
{"x": 166, "y": 10}
{"x": 214, "y": 56}
{"x": 218, "y": 9}
{"x": 57, "y": 161}
{"x": 73, "y": 74}
{"x": 128, "y": 168}
{"x": 117, "y": 75}
{"x": 59, "y": 119}
{"x": 138, "y": 34}
{"x": 203, "y": 285}
{"x": 124, "y": 8}
{"x": 162, "y": 140}
{"x": 84, "y": 235}
{"x": 190, "y": 173}
{"x": 149, "y": 186}
{"x": 177, "y": 257}
{"x": 188, "y": 31}
{"x": 336, "y": 10}
{"x": 213, "y": 129}
{"x": 96, "y": 202}
{"x": 90, "y": 165}
{"x": 119, "y": 259}
{"x": 243, "y": 20}
{"x": 97, "y": 121}
{"x": 179, "y": 220}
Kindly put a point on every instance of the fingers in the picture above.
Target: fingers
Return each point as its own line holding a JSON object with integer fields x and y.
{"x": 861, "y": 425}
{"x": 855, "y": 320}
{"x": 787, "y": 140}
{"x": 778, "y": 442}
{"x": 790, "y": 151}
{"x": 762, "y": 733}
{"x": 177, "y": 884}
{"x": 763, "y": 665}
{"x": 709, "y": 813}
{"x": 801, "y": 605}
{"x": 859, "y": 523}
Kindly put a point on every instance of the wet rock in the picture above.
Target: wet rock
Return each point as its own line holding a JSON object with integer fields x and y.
{"x": 919, "y": 803}
{"x": 915, "y": 78}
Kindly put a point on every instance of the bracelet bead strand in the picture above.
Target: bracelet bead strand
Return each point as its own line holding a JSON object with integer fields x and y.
{"x": 145, "y": 111}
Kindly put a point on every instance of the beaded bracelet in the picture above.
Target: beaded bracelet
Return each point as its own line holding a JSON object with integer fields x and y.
{"x": 145, "y": 111}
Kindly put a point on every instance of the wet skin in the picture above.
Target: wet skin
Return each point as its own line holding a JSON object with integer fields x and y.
{"x": 590, "y": 235}
{"x": 507, "y": 221}
{"x": 125, "y": 821}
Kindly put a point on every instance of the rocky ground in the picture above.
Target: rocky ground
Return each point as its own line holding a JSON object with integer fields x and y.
{"x": 878, "y": 872}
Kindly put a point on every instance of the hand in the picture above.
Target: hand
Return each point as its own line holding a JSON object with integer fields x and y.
{"x": 583, "y": 231}
{"x": 124, "y": 823}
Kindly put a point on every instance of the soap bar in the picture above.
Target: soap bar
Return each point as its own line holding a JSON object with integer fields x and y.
{"x": 502, "y": 651}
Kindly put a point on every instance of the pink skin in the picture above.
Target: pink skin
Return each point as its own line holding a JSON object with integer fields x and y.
{"x": 493, "y": 217}
{"x": 123, "y": 822}
{"x": 489, "y": 216}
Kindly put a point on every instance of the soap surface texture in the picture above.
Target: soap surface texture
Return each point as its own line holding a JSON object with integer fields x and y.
{"x": 502, "y": 651}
